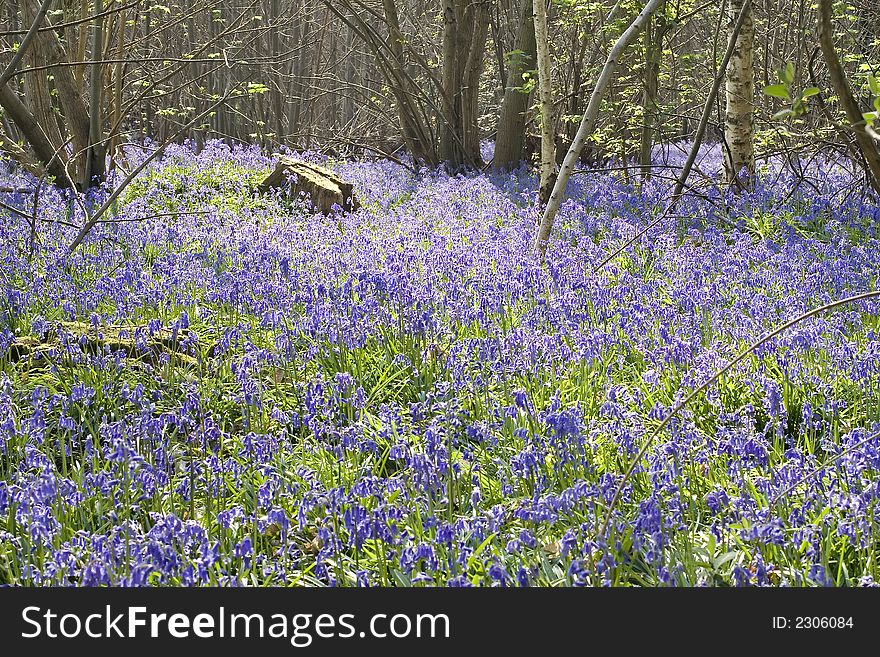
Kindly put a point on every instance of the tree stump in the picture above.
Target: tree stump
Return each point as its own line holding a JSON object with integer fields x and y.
{"x": 323, "y": 187}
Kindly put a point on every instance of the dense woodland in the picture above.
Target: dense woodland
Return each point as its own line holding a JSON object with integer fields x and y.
{"x": 430, "y": 80}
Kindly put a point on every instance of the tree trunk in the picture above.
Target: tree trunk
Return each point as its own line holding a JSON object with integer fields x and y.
{"x": 94, "y": 168}
{"x": 470, "y": 88}
{"x": 511, "y": 132}
{"x": 118, "y": 84}
{"x": 277, "y": 96}
{"x": 588, "y": 123}
{"x": 545, "y": 94}
{"x": 415, "y": 133}
{"x": 195, "y": 70}
{"x": 45, "y": 151}
{"x": 465, "y": 31}
{"x": 40, "y": 125}
{"x": 450, "y": 150}
{"x": 37, "y": 93}
{"x": 654, "y": 33}
{"x": 148, "y": 126}
{"x": 739, "y": 123}
{"x": 48, "y": 49}
{"x": 847, "y": 101}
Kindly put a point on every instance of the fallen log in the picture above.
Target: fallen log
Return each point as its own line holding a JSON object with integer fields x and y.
{"x": 103, "y": 341}
{"x": 323, "y": 187}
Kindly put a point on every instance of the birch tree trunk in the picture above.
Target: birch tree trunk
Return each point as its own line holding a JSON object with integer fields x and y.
{"x": 654, "y": 33}
{"x": 739, "y": 122}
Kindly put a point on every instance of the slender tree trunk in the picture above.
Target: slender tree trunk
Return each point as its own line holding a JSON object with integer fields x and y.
{"x": 654, "y": 32}
{"x": 294, "y": 101}
{"x": 412, "y": 128}
{"x": 545, "y": 95}
{"x": 511, "y": 132}
{"x": 498, "y": 47}
{"x": 465, "y": 31}
{"x": 277, "y": 98}
{"x": 80, "y": 42}
{"x": 47, "y": 152}
{"x": 118, "y": 84}
{"x": 848, "y": 102}
{"x": 348, "y": 108}
{"x": 739, "y": 122}
{"x": 148, "y": 128}
{"x": 194, "y": 69}
{"x": 306, "y": 35}
{"x": 470, "y": 88}
{"x": 588, "y": 123}
{"x": 94, "y": 168}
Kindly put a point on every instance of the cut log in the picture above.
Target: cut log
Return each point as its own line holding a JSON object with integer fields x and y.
{"x": 323, "y": 187}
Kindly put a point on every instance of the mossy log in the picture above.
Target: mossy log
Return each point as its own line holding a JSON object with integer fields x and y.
{"x": 104, "y": 340}
{"x": 323, "y": 187}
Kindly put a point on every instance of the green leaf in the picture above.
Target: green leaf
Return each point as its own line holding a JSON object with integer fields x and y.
{"x": 789, "y": 72}
{"x": 874, "y": 85}
{"x": 810, "y": 91}
{"x": 256, "y": 88}
{"x": 473, "y": 558}
{"x": 777, "y": 91}
{"x": 783, "y": 114}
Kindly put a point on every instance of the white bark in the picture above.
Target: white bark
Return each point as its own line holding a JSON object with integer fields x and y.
{"x": 739, "y": 123}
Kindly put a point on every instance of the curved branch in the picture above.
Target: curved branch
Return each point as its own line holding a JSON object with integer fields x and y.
{"x": 712, "y": 379}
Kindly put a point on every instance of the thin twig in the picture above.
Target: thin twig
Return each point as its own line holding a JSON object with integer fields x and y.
{"x": 739, "y": 357}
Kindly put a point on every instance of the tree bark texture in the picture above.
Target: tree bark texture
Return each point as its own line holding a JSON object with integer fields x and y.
{"x": 545, "y": 104}
{"x": 654, "y": 33}
{"x": 511, "y": 132}
{"x": 739, "y": 121}
{"x": 588, "y": 123}
{"x": 848, "y": 102}
{"x": 465, "y": 31}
